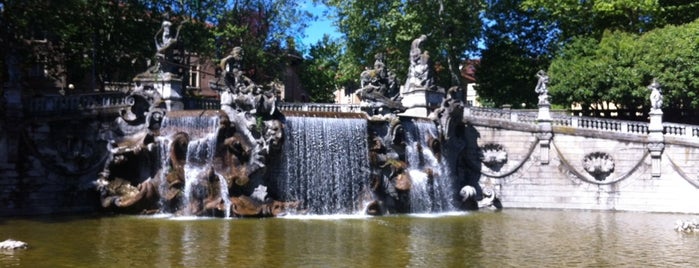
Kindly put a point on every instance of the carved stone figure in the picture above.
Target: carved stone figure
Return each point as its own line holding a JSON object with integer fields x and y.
{"x": 542, "y": 87}
{"x": 379, "y": 86}
{"x": 450, "y": 113}
{"x": 230, "y": 65}
{"x": 274, "y": 135}
{"x": 419, "y": 72}
{"x": 380, "y": 79}
{"x": 166, "y": 47}
{"x": 656, "y": 96}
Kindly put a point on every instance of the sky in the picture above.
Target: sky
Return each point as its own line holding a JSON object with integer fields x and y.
{"x": 319, "y": 27}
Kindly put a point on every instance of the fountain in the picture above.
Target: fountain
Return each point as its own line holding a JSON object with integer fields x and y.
{"x": 249, "y": 159}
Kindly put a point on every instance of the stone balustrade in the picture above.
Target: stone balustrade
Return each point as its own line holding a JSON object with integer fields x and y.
{"x": 320, "y": 107}
{"x": 118, "y": 86}
{"x": 581, "y": 122}
{"x": 202, "y": 104}
{"x": 76, "y": 104}
{"x": 681, "y": 130}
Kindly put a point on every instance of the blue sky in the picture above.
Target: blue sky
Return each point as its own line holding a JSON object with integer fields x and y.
{"x": 319, "y": 27}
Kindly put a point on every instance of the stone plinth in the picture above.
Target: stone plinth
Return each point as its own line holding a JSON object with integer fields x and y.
{"x": 656, "y": 141}
{"x": 544, "y": 114}
{"x": 167, "y": 85}
{"x": 421, "y": 101}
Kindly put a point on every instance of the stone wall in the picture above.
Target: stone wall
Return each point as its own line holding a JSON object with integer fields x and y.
{"x": 51, "y": 168}
{"x": 622, "y": 180}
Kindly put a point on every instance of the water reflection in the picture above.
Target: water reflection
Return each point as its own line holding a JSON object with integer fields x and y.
{"x": 511, "y": 238}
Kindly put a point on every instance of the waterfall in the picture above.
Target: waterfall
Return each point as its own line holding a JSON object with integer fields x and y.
{"x": 426, "y": 195}
{"x": 202, "y": 131}
{"x": 325, "y": 164}
{"x": 224, "y": 194}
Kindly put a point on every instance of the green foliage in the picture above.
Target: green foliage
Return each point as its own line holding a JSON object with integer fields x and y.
{"x": 619, "y": 67}
{"x": 592, "y": 18}
{"x": 113, "y": 39}
{"x": 517, "y": 46}
{"x": 260, "y": 27}
{"x": 319, "y": 72}
{"x": 506, "y": 75}
{"x": 84, "y": 36}
{"x": 389, "y": 26}
{"x": 593, "y": 44}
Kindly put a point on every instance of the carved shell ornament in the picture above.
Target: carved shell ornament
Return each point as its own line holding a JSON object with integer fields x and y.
{"x": 493, "y": 155}
{"x": 599, "y": 165}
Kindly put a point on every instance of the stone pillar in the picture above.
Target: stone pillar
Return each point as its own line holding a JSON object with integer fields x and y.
{"x": 545, "y": 132}
{"x": 543, "y": 118}
{"x": 656, "y": 140}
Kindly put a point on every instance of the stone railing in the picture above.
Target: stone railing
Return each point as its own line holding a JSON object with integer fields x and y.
{"x": 523, "y": 116}
{"x": 118, "y": 86}
{"x": 581, "y": 122}
{"x": 202, "y": 104}
{"x": 76, "y": 104}
{"x": 602, "y": 124}
{"x": 320, "y": 107}
{"x": 680, "y": 130}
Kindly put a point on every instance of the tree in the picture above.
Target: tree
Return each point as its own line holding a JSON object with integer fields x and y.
{"x": 592, "y": 18}
{"x": 260, "y": 27}
{"x": 517, "y": 45}
{"x": 619, "y": 68}
{"x": 389, "y": 26}
{"x": 75, "y": 38}
{"x": 522, "y": 36}
{"x": 111, "y": 40}
{"x": 506, "y": 75}
{"x": 320, "y": 69}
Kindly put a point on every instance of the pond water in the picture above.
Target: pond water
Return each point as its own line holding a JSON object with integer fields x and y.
{"x": 507, "y": 238}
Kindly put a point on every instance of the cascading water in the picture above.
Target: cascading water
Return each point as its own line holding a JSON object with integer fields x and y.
{"x": 431, "y": 179}
{"x": 202, "y": 131}
{"x": 200, "y": 155}
{"x": 325, "y": 164}
{"x": 224, "y": 193}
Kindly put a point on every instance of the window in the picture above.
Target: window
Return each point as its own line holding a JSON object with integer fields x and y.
{"x": 193, "y": 76}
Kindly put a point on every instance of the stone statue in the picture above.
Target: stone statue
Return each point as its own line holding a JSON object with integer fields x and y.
{"x": 379, "y": 86}
{"x": 240, "y": 91}
{"x": 542, "y": 87}
{"x": 450, "y": 112}
{"x": 230, "y": 65}
{"x": 419, "y": 72}
{"x": 165, "y": 49}
{"x": 656, "y": 96}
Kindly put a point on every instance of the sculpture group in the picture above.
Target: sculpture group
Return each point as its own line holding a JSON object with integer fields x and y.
{"x": 147, "y": 171}
{"x": 151, "y": 159}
